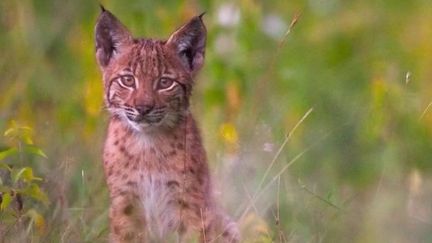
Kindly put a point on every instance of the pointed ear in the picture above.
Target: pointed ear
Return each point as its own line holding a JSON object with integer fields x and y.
{"x": 189, "y": 43}
{"x": 110, "y": 37}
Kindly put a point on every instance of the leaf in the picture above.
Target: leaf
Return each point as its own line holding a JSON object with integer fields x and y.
{"x": 26, "y": 174}
{"x": 37, "y": 218}
{"x": 5, "y": 166}
{"x": 6, "y": 200}
{"x": 8, "y": 152}
{"x": 9, "y": 132}
{"x": 26, "y": 135}
{"x": 34, "y": 191}
{"x": 19, "y": 132}
{"x": 34, "y": 150}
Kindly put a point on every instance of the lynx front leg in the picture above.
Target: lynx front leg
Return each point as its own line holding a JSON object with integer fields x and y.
{"x": 126, "y": 221}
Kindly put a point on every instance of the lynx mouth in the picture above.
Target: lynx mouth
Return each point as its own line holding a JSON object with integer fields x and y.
{"x": 150, "y": 119}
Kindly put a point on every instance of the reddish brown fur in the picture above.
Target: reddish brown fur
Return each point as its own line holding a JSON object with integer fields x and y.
{"x": 157, "y": 173}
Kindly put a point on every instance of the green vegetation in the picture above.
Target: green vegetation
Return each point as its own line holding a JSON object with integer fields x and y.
{"x": 318, "y": 134}
{"x": 19, "y": 185}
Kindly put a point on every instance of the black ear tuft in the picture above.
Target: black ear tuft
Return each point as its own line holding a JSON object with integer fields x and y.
{"x": 110, "y": 37}
{"x": 102, "y": 8}
{"x": 189, "y": 43}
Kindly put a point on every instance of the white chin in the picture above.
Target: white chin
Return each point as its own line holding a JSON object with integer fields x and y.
{"x": 137, "y": 126}
{"x": 143, "y": 126}
{"x": 167, "y": 121}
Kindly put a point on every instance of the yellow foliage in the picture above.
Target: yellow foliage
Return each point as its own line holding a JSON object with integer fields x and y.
{"x": 254, "y": 229}
{"x": 37, "y": 219}
{"x": 233, "y": 98}
{"x": 228, "y": 133}
{"x": 93, "y": 97}
{"x": 378, "y": 91}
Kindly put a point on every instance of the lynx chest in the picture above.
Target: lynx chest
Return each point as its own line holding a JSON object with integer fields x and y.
{"x": 151, "y": 174}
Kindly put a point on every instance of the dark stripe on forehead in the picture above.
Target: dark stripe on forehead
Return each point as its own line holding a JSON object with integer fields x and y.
{"x": 132, "y": 63}
{"x": 142, "y": 56}
{"x": 160, "y": 59}
{"x": 154, "y": 60}
{"x": 148, "y": 58}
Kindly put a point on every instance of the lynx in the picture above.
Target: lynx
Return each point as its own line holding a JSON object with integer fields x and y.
{"x": 154, "y": 161}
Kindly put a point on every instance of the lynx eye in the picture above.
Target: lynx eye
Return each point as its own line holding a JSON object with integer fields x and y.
{"x": 127, "y": 81}
{"x": 165, "y": 84}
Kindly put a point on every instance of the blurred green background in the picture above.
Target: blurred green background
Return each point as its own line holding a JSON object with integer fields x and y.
{"x": 318, "y": 134}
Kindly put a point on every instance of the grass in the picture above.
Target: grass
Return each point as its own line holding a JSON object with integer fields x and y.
{"x": 354, "y": 168}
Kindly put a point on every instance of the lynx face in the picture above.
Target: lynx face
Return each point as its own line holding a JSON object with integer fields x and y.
{"x": 148, "y": 82}
{"x": 145, "y": 90}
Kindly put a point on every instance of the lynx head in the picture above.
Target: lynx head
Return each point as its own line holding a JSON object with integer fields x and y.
{"x": 148, "y": 82}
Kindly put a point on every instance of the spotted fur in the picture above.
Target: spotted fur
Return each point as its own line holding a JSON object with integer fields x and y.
{"x": 154, "y": 161}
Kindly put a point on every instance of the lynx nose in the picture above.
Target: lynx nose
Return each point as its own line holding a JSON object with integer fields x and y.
{"x": 144, "y": 109}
